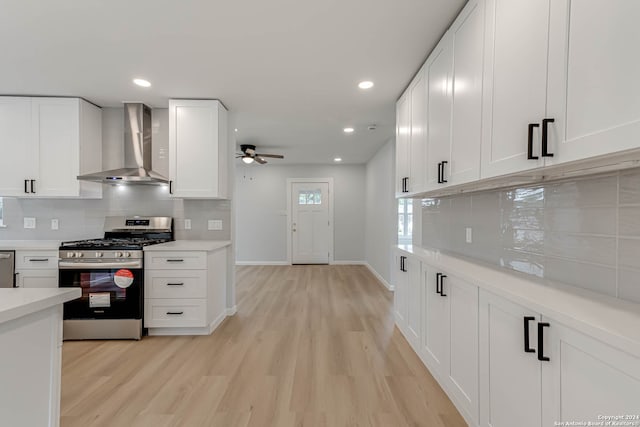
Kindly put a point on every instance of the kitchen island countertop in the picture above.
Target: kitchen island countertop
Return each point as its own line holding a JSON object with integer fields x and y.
{"x": 18, "y": 302}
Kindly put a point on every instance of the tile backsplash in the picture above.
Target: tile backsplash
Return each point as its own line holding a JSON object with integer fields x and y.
{"x": 80, "y": 219}
{"x": 583, "y": 232}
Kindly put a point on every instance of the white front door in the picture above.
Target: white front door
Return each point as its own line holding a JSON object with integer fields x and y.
{"x": 310, "y": 222}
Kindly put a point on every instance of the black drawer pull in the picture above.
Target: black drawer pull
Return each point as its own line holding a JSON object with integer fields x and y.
{"x": 541, "y": 355}
{"x": 38, "y": 259}
{"x": 527, "y": 347}
{"x": 175, "y": 313}
{"x": 175, "y": 260}
{"x": 545, "y": 131}
{"x": 175, "y": 284}
{"x": 530, "y": 155}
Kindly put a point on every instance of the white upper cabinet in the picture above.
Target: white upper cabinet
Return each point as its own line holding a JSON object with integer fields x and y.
{"x": 47, "y": 143}
{"x": 439, "y": 70}
{"x": 515, "y": 85}
{"x": 467, "y": 34}
{"x": 417, "y": 161}
{"x": 594, "y": 89}
{"x": 198, "y": 149}
{"x": 403, "y": 129}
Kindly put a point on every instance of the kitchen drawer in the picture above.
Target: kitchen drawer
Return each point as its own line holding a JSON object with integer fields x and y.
{"x": 176, "y": 284}
{"x": 37, "y": 260}
{"x": 168, "y": 313}
{"x": 181, "y": 260}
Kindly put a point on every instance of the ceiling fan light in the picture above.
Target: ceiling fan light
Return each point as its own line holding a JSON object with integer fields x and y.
{"x": 247, "y": 159}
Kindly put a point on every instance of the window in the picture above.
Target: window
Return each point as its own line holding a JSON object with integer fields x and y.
{"x": 405, "y": 220}
{"x": 310, "y": 197}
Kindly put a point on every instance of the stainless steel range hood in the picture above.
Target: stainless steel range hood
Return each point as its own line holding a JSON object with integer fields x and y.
{"x": 137, "y": 151}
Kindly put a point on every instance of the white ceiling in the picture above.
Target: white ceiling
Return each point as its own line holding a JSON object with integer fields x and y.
{"x": 287, "y": 69}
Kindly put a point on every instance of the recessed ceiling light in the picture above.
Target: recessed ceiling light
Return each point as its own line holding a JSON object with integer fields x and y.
{"x": 142, "y": 82}
{"x": 236, "y": 129}
{"x": 337, "y": 159}
{"x": 365, "y": 84}
{"x": 348, "y": 130}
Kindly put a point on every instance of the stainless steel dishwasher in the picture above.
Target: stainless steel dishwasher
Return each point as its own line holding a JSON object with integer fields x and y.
{"x": 7, "y": 266}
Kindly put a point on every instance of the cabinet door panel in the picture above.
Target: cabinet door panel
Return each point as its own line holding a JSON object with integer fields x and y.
{"x": 418, "y": 145}
{"x": 400, "y": 294}
{"x": 414, "y": 319}
{"x": 439, "y": 69}
{"x": 20, "y": 158}
{"x": 436, "y": 324}
{"x": 586, "y": 378}
{"x": 463, "y": 346}
{"x": 511, "y": 383}
{"x": 403, "y": 130}
{"x": 56, "y": 127}
{"x": 515, "y": 83}
{"x": 594, "y": 91}
{"x": 466, "y": 129}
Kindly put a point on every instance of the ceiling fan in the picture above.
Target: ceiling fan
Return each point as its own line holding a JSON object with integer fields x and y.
{"x": 249, "y": 155}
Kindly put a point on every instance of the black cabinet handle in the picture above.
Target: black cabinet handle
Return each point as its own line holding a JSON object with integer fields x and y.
{"x": 439, "y": 173}
{"x": 530, "y": 155}
{"x": 405, "y": 184}
{"x": 175, "y": 260}
{"x": 442, "y": 277}
{"x": 541, "y": 355}
{"x": 170, "y": 187}
{"x": 174, "y": 313}
{"x": 527, "y": 348}
{"x": 33, "y": 186}
{"x": 175, "y": 284}
{"x": 442, "y": 167}
{"x": 545, "y": 130}
{"x": 402, "y": 260}
{"x": 38, "y": 259}
{"x": 438, "y": 282}
{"x": 26, "y": 184}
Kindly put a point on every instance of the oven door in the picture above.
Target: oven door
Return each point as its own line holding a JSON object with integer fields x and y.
{"x": 108, "y": 291}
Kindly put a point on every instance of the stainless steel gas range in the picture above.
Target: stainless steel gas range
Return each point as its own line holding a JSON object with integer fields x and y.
{"x": 110, "y": 272}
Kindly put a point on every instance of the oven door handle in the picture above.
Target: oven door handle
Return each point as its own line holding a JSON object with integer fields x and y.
{"x": 81, "y": 265}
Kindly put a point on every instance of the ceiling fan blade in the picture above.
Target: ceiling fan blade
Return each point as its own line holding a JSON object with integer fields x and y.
{"x": 275, "y": 156}
{"x": 260, "y": 160}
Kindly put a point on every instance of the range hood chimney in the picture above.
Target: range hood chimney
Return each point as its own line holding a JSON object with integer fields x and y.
{"x": 137, "y": 151}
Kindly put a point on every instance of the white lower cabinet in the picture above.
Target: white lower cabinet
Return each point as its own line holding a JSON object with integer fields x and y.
{"x": 185, "y": 291}
{"x": 37, "y": 269}
{"x": 450, "y": 338}
{"x": 538, "y": 372}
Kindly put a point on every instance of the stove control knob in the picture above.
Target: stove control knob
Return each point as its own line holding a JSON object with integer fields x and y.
{"x": 118, "y": 254}
{"x": 70, "y": 255}
{"x": 127, "y": 254}
{"x": 99, "y": 254}
{"x": 79, "y": 254}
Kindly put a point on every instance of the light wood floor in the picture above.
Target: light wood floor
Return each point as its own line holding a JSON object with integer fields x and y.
{"x": 309, "y": 346}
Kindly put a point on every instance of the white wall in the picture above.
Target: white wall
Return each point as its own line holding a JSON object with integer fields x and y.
{"x": 261, "y": 210}
{"x": 380, "y": 212}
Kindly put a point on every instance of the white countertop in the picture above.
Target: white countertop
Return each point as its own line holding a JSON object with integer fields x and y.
{"x": 188, "y": 245}
{"x": 19, "y": 302}
{"x": 29, "y": 244}
{"x": 609, "y": 319}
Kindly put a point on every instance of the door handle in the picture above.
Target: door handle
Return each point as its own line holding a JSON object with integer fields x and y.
{"x": 545, "y": 131}
{"x": 541, "y": 355}
{"x": 444, "y": 162}
{"x": 527, "y": 348}
{"x": 442, "y": 277}
{"x": 530, "y": 155}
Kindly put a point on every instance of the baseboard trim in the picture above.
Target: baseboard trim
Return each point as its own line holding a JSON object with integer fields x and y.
{"x": 383, "y": 282}
{"x": 230, "y": 311}
{"x": 340, "y": 262}
{"x": 207, "y": 330}
{"x": 262, "y": 263}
